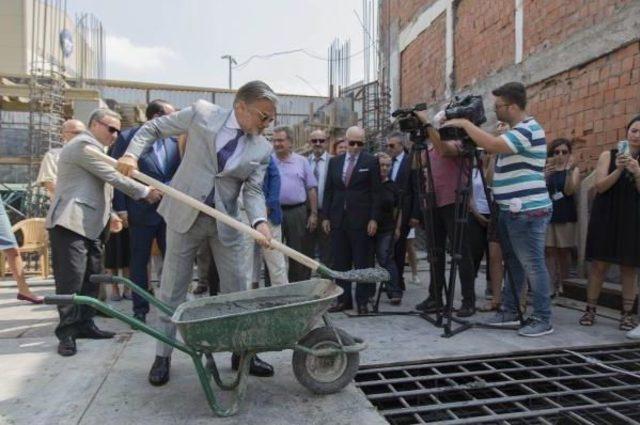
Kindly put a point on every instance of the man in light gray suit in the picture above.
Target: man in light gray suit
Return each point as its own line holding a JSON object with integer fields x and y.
{"x": 77, "y": 219}
{"x": 225, "y": 155}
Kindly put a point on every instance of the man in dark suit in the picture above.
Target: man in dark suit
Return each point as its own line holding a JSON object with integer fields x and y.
{"x": 351, "y": 200}
{"x": 159, "y": 161}
{"x": 401, "y": 174}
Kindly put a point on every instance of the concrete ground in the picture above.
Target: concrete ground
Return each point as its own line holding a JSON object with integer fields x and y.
{"x": 106, "y": 382}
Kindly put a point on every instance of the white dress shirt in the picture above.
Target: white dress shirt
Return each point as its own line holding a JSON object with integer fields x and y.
{"x": 226, "y": 133}
{"x": 346, "y": 163}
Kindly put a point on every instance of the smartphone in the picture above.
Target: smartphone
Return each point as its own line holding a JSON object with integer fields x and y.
{"x": 623, "y": 147}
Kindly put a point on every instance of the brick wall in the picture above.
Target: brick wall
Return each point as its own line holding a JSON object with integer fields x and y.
{"x": 483, "y": 42}
{"x": 423, "y": 65}
{"x": 592, "y": 104}
{"x": 550, "y": 22}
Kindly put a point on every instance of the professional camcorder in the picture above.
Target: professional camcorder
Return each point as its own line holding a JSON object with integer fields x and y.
{"x": 469, "y": 107}
{"x": 409, "y": 123}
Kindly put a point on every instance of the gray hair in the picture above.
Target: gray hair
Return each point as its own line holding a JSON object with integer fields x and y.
{"x": 286, "y": 129}
{"x": 98, "y": 114}
{"x": 255, "y": 90}
{"x": 397, "y": 135}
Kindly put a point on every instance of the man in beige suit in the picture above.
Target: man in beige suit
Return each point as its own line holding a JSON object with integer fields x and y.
{"x": 225, "y": 157}
{"x": 77, "y": 219}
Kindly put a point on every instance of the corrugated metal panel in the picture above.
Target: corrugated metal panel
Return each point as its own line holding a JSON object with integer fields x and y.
{"x": 124, "y": 95}
{"x": 225, "y": 100}
{"x": 180, "y": 99}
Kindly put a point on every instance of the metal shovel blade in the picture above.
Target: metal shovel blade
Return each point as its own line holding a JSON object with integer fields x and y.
{"x": 371, "y": 275}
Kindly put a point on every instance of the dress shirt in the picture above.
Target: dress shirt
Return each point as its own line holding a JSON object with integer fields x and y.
{"x": 296, "y": 178}
{"x": 396, "y": 165}
{"x": 322, "y": 164}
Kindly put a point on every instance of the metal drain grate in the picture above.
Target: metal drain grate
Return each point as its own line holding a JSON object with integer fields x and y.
{"x": 595, "y": 385}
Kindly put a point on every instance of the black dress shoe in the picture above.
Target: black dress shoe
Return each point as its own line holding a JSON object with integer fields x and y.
{"x": 339, "y": 307}
{"x": 429, "y": 306}
{"x": 140, "y": 316}
{"x": 363, "y": 309}
{"x": 67, "y": 346}
{"x": 200, "y": 289}
{"x": 92, "y": 332}
{"x": 257, "y": 367}
{"x": 466, "y": 311}
{"x": 159, "y": 373}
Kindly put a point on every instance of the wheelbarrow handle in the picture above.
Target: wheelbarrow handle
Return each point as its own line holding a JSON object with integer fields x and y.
{"x": 105, "y": 278}
{"x": 59, "y": 299}
{"x": 101, "y": 278}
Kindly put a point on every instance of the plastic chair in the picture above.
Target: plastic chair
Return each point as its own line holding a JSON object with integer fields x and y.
{"x": 34, "y": 240}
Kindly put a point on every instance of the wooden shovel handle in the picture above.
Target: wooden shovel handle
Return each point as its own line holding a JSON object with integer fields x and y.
{"x": 218, "y": 215}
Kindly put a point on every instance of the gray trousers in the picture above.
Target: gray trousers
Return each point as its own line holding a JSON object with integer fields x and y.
{"x": 177, "y": 270}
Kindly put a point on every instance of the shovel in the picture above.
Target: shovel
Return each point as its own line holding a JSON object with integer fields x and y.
{"x": 370, "y": 275}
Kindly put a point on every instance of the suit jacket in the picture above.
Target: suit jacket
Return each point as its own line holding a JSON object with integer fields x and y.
{"x": 360, "y": 200}
{"x": 82, "y": 201}
{"x": 142, "y": 213}
{"x": 271, "y": 189}
{"x": 404, "y": 183}
{"x": 198, "y": 171}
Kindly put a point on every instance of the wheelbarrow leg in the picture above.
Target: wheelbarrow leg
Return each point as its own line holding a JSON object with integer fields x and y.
{"x": 238, "y": 392}
{"x": 213, "y": 368}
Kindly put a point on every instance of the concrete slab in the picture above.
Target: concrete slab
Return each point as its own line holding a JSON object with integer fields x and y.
{"x": 106, "y": 382}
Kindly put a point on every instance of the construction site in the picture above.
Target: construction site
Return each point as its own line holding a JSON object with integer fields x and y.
{"x": 580, "y": 63}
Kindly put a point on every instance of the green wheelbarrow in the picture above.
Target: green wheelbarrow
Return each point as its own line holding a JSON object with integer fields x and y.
{"x": 325, "y": 359}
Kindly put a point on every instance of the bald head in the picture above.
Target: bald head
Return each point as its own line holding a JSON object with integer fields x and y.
{"x": 318, "y": 142}
{"x": 71, "y": 128}
{"x": 355, "y": 139}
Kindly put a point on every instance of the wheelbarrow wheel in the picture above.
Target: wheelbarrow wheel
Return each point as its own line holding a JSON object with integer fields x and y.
{"x": 326, "y": 374}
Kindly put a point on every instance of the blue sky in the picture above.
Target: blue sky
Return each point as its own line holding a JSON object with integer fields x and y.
{"x": 181, "y": 42}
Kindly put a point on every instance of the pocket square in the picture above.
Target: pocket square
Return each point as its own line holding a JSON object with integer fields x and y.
{"x": 362, "y": 170}
{"x": 254, "y": 163}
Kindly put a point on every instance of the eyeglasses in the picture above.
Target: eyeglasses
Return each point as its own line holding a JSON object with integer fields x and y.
{"x": 318, "y": 141}
{"x": 111, "y": 129}
{"x": 279, "y": 139}
{"x": 558, "y": 152}
{"x": 356, "y": 143}
{"x": 265, "y": 118}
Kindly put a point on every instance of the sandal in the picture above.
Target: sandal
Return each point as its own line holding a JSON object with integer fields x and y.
{"x": 627, "y": 322}
{"x": 589, "y": 317}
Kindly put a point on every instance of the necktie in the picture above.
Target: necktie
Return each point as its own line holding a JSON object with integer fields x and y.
{"x": 160, "y": 153}
{"x": 227, "y": 151}
{"x": 223, "y": 156}
{"x": 316, "y": 172}
{"x": 350, "y": 165}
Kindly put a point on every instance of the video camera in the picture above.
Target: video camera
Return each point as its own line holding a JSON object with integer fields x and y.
{"x": 409, "y": 123}
{"x": 469, "y": 107}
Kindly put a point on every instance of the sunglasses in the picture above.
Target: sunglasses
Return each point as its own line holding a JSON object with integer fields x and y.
{"x": 391, "y": 145}
{"x": 356, "y": 143}
{"x": 318, "y": 141}
{"x": 111, "y": 129}
{"x": 265, "y": 118}
{"x": 560, "y": 152}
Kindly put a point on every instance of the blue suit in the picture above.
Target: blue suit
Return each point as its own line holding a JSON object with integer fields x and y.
{"x": 145, "y": 224}
{"x": 271, "y": 189}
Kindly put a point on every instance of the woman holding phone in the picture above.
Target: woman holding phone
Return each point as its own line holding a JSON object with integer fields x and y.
{"x": 563, "y": 180}
{"x": 614, "y": 226}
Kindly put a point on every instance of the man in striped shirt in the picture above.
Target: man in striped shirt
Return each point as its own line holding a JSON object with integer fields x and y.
{"x": 525, "y": 208}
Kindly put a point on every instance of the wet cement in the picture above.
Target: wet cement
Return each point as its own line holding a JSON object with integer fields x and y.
{"x": 242, "y": 306}
{"x": 372, "y": 275}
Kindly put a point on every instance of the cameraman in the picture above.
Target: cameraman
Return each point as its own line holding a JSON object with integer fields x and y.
{"x": 446, "y": 162}
{"x": 525, "y": 207}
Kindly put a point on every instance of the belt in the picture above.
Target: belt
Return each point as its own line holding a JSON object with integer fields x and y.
{"x": 292, "y": 206}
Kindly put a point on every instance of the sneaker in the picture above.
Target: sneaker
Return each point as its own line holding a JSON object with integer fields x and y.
{"x": 535, "y": 327}
{"x": 502, "y": 318}
{"x": 634, "y": 333}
